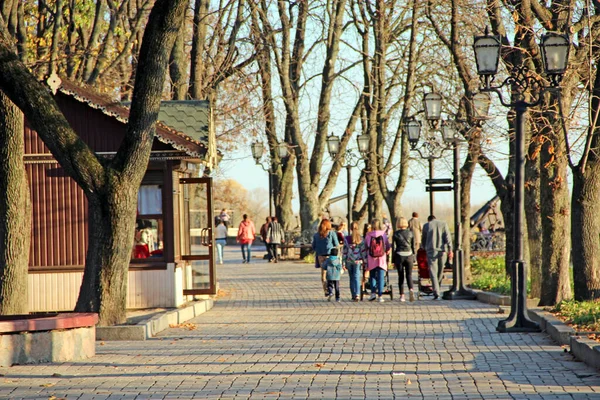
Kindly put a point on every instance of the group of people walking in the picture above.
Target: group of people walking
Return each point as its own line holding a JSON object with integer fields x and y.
{"x": 370, "y": 252}
{"x": 271, "y": 233}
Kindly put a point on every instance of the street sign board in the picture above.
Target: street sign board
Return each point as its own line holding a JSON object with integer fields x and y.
{"x": 441, "y": 181}
{"x": 438, "y": 188}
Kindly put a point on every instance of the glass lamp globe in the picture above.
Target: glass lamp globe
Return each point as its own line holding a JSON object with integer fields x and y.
{"x": 487, "y": 53}
{"x": 257, "y": 150}
{"x": 555, "y": 52}
{"x": 333, "y": 145}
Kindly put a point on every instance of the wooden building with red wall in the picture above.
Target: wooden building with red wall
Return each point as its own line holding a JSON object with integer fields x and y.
{"x": 172, "y": 252}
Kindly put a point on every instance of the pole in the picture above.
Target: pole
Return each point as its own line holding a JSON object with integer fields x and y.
{"x": 518, "y": 320}
{"x": 349, "y": 194}
{"x": 270, "y": 193}
{"x": 458, "y": 291}
{"x": 431, "y": 192}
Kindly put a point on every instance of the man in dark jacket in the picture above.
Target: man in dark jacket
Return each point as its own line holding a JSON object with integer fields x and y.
{"x": 437, "y": 241}
{"x": 263, "y": 235}
{"x": 404, "y": 243}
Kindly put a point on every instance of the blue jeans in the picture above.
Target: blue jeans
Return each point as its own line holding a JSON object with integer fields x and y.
{"x": 377, "y": 276}
{"x": 354, "y": 275}
{"x": 220, "y": 243}
{"x": 247, "y": 248}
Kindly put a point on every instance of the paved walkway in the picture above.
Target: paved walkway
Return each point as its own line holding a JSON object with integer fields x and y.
{"x": 272, "y": 335}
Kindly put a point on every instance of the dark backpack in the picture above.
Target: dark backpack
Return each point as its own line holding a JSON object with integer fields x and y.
{"x": 377, "y": 247}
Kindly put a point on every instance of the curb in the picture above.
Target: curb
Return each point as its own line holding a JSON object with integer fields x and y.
{"x": 147, "y": 329}
{"x": 582, "y": 348}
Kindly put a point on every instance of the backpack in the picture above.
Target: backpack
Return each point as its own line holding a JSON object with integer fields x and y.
{"x": 377, "y": 247}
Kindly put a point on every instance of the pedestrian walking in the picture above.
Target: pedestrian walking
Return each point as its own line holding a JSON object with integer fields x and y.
{"x": 437, "y": 241}
{"x": 404, "y": 257}
{"x": 323, "y": 241}
{"x": 333, "y": 272}
{"x": 220, "y": 240}
{"x": 354, "y": 249}
{"x": 263, "y": 236}
{"x": 340, "y": 235}
{"x": 245, "y": 237}
{"x": 377, "y": 248}
{"x": 417, "y": 230}
{"x": 275, "y": 236}
{"x": 224, "y": 217}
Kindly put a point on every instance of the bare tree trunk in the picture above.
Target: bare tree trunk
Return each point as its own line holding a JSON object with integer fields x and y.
{"x": 197, "y": 69}
{"x": 555, "y": 205}
{"x": 111, "y": 226}
{"x": 466, "y": 178}
{"x": 585, "y": 226}
{"x": 91, "y": 52}
{"x": 15, "y": 212}
{"x": 533, "y": 218}
{"x": 585, "y": 207}
{"x": 177, "y": 68}
{"x": 57, "y": 22}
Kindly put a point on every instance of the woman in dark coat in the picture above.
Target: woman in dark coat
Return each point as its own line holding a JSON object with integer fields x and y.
{"x": 404, "y": 242}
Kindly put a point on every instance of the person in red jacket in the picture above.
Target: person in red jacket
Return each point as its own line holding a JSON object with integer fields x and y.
{"x": 245, "y": 237}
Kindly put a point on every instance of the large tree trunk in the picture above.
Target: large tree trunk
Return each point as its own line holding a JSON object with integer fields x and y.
{"x": 556, "y": 224}
{"x": 177, "y": 68}
{"x": 585, "y": 224}
{"x": 15, "y": 212}
{"x": 112, "y": 212}
{"x": 197, "y": 67}
{"x": 534, "y": 219}
{"x": 466, "y": 178}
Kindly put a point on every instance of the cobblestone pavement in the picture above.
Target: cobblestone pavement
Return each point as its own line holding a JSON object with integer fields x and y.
{"x": 272, "y": 335}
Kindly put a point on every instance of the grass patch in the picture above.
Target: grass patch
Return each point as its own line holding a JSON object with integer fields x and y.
{"x": 581, "y": 315}
{"x": 488, "y": 275}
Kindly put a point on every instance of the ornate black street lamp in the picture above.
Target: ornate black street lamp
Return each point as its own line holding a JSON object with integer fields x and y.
{"x": 458, "y": 291}
{"x": 555, "y": 55}
{"x": 350, "y": 160}
{"x": 257, "y": 152}
{"x": 432, "y": 147}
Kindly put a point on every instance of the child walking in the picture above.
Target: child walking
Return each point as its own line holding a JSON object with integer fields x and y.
{"x": 333, "y": 266}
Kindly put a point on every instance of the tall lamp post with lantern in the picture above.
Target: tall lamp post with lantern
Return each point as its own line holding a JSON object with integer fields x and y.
{"x": 555, "y": 55}
{"x": 450, "y": 133}
{"x": 257, "y": 152}
{"x": 349, "y": 161}
{"x": 432, "y": 148}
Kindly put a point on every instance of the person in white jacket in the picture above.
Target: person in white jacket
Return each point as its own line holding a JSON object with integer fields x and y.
{"x": 220, "y": 240}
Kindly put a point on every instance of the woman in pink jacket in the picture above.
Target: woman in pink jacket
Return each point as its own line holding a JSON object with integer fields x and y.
{"x": 245, "y": 237}
{"x": 377, "y": 247}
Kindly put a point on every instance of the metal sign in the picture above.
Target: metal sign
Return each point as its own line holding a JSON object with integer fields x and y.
{"x": 441, "y": 181}
{"x": 438, "y": 188}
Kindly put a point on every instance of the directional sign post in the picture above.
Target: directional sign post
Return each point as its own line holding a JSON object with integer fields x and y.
{"x": 440, "y": 181}
{"x": 431, "y": 185}
{"x": 438, "y": 188}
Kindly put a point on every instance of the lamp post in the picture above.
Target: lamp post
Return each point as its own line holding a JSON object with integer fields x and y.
{"x": 257, "y": 151}
{"x": 555, "y": 54}
{"x": 457, "y": 291}
{"x": 432, "y": 106}
{"x": 350, "y": 160}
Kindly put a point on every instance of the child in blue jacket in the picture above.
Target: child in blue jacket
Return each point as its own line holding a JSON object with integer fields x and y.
{"x": 333, "y": 266}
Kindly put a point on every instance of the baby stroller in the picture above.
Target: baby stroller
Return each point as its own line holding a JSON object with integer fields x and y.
{"x": 425, "y": 285}
{"x": 366, "y": 284}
